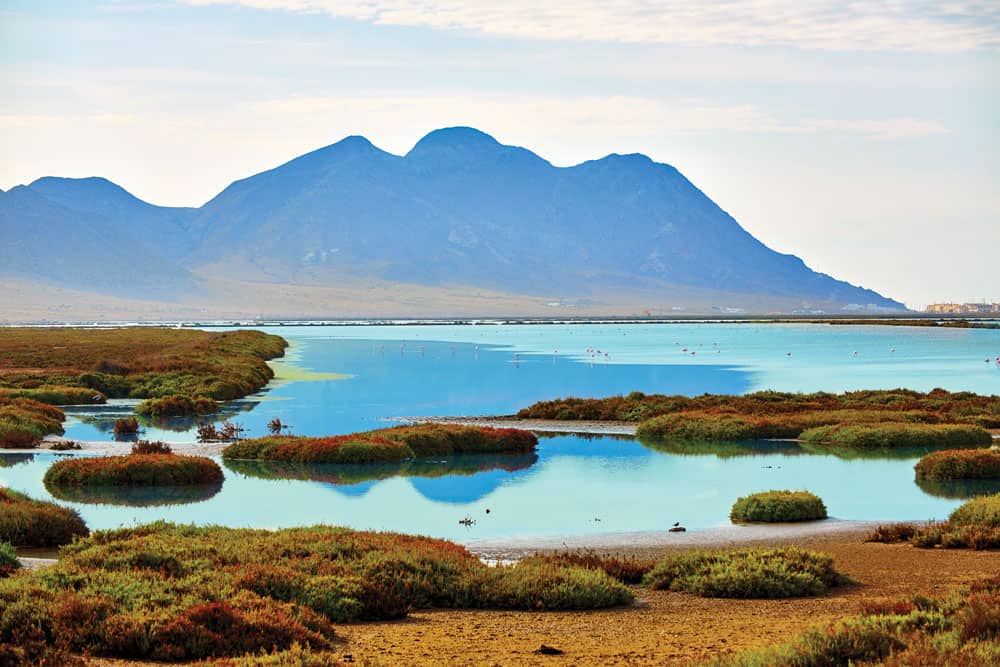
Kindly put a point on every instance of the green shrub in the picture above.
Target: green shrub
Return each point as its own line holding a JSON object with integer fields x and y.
{"x": 960, "y": 464}
{"x": 982, "y": 511}
{"x": 747, "y": 573}
{"x": 151, "y": 447}
{"x": 778, "y": 506}
{"x": 8, "y": 559}
{"x": 870, "y": 436}
{"x": 25, "y": 522}
{"x": 892, "y": 533}
{"x": 133, "y": 470}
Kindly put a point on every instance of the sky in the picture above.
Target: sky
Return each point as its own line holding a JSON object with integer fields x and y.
{"x": 860, "y": 136}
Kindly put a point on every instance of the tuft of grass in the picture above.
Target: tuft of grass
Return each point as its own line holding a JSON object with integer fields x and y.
{"x": 960, "y": 464}
{"x": 134, "y": 470}
{"x": 385, "y": 445}
{"x": 8, "y": 559}
{"x": 65, "y": 445}
{"x": 169, "y": 592}
{"x": 151, "y": 447}
{"x": 778, "y": 507}
{"x": 891, "y": 435}
{"x": 25, "y": 522}
{"x": 626, "y": 569}
{"x": 747, "y": 573}
{"x": 176, "y": 406}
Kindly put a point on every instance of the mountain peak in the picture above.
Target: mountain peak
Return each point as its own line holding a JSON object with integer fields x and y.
{"x": 454, "y": 138}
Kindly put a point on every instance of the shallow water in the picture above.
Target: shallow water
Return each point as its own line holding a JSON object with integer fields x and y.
{"x": 574, "y": 485}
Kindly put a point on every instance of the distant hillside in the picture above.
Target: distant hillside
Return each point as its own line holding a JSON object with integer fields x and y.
{"x": 459, "y": 211}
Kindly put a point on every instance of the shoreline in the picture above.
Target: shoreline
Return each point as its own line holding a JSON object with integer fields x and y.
{"x": 637, "y": 542}
{"x": 538, "y": 425}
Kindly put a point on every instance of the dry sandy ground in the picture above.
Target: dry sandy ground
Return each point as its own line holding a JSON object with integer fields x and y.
{"x": 664, "y": 627}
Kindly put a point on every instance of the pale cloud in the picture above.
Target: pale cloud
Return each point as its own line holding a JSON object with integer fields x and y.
{"x": 891, "y": 25}
{"x": 580, "y": 117}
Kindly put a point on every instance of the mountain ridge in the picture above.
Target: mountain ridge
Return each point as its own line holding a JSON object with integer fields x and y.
{"x": 458, "y": 209}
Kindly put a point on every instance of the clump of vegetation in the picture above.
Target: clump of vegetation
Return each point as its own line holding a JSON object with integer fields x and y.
{"x": 151, "y": 447}
{"x": 8, "y": 559}
{"x": 893, "y": 532}
{"x": 626, "y": 569}
{"x": 134, "y": 470}
{"x": 176, "y": 406}
{"x": 872, "y": 436}
{"x": 65, "y": 445}
{"x": 25, "y": 522}
{"x": 937, "y": 406}
{"x": 747, "y": 573}
{"x": 24, "y": 422}
{"x": 126, "y": 426}
{"x": 982, "y": 511}
{"x": 962, "y": 629}
{"x": 226, "y": 432}
{"x": 777, "y": 507}
{"x": 385, "y": 445}
{"x": 960, "y": 464}
{"x": 276, "y": 426}
{"x": 137, "y": 362}
{"x": 168, "y": 592}
{"x": 974, "y": 525}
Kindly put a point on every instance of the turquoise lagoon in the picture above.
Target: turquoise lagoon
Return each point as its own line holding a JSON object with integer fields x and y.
{"x": 573, "y": 485}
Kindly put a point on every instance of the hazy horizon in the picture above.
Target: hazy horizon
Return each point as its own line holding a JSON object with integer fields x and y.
{"x": 862, "y": 139}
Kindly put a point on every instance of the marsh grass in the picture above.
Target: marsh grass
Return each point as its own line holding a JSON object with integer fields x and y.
{"x": 169, "y": 592}
{"x": 24, "y": 422}
{"x": 747, "y": 573}
{"x": 937, "y": 406}
{"x": 891, "y": 435}
{"x": 626, "y": 569}
{"x": 778, "y": 507}
{"x": 25, "y": 522}
{"x": 137, "y": 362}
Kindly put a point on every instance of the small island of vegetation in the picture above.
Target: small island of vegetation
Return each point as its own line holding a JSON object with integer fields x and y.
{"x": 778, "y": 507}
{"x": 149, "y": 464}
{"x": 962, "y": 464}
{"x": 386, "y": 445}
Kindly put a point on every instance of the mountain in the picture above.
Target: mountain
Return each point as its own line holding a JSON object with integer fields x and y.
{"x": 459, "y": 211}
{"x": 39, "y": 239}
{"x": 164, "y": 226}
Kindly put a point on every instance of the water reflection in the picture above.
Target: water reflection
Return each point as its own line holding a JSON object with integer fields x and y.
{"x": 101, "y": 418}
{"x": 452, "y": 479}
{"x": 960, "y": 489}
{"x": 724, "y": 449}
{"x": 131, "y": 496}
{"x": 11, "y": 460}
